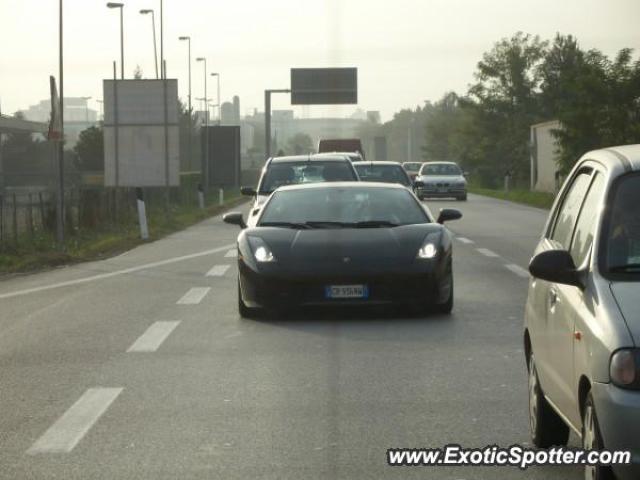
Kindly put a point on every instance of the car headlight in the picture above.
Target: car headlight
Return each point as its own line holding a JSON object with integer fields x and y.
{"x": 429, "y": 248}
{"x": 261, "y": 251}
{"x": 461, "y": 185}
{"x": 623, "y": 368}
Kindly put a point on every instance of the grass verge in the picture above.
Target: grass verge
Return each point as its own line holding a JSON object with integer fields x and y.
{"x": 526, "y": 197}
{"x": 41, "y": 252}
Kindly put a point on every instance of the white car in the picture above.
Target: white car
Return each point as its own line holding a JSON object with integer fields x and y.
{"x": 441, "y": 180}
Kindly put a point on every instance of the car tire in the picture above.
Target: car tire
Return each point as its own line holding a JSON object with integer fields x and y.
{"x": 546, "y": 426}
{"x": 462, "y": 198}
{"x": 592, "y": 440}
{"x": 446, "y": 307}
{"x": 243, "y": 310}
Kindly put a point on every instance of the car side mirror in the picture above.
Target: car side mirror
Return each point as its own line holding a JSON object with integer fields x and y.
{"x": 234, "y": 218}
{"x": 556, "y": 266}
{"x": 248, "y": 191}
{"x": 448, "y": 214}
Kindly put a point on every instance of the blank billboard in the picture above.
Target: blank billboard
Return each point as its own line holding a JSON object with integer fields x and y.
{"x": 324, "y": 86}
{"x": 141, "y": 160}
{"x": 139, "y": 150}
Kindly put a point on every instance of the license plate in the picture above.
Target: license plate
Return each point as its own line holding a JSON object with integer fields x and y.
{"x": 443, "y": 190}
{"x": 346, "y": 291}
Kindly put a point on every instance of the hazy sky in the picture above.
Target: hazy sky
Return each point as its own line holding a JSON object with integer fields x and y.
{"x": 407, "y": 51}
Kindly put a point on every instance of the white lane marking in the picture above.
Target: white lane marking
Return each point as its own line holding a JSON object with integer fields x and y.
{"x": 488, "y": 253}
{"x": 231, "y": 253}
{"x": 69, "y": 429}
{"x": 233, "y": 335}
{"x": 102, "y": 276}
{"x": 218, "y": 270}
{"x": 518, "y": 270}
{"x": 151, "y": 340}
{"x": 465, "y": 240}
{"x": 194, "y": 296}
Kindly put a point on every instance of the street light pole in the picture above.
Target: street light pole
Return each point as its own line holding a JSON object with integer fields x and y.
{"x": 153, "y": 23}
{"x": 188, "y": 40}
{"x": 121, "y": 7}
{"x": 164, "y": 73}
{"x": 205, "y": 164}
{"x": 217, "y": 75}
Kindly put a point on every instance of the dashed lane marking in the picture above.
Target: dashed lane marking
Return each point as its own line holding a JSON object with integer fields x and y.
{"x": 488, "y": 253}
{"x": 465, "y": 240}
{"x": 218, "y": 270}
{"x": 518, "y": 270}
{"x": 233, "y": 253}
{"x": 194, "y": 296}
{"x": 155, "y": 335}
{"x": 74, "y": 424}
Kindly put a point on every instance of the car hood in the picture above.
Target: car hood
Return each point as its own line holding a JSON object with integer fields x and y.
{"x": 347, "y": 250}
{"x": 626, "y": 295}
{"x": 443, "y": 178}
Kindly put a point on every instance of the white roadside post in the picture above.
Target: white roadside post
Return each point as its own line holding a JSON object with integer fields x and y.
{"x": 142, "y": 215}
{"x": 200, "y": 196}
{"x": 221, "y": 196}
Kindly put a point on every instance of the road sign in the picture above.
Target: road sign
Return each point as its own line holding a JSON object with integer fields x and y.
{"x": 324, "y": 86}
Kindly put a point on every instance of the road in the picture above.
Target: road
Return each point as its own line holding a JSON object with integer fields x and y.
{"x": 139, "y": 367}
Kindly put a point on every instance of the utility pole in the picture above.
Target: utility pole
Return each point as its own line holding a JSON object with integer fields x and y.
{"x": 60, "y": 203}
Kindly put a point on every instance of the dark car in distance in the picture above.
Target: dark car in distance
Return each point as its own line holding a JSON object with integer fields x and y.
{"x": 296, "y": 169}
{"x": 383, "y": 171}
{"x": 412, "y": 168}
{"x": 345, "y": 243}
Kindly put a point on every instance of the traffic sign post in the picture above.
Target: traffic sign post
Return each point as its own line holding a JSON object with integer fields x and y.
{"x": 314, "y": 86}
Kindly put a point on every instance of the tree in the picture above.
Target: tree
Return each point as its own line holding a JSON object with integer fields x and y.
{"x": 89, "y": 150}
{"x": 23, "y": 155}
{"x": 441, "y": 128}
{"x": 190, "y": 140}
{"x": 596, "y": 100}
{"x": 300, "y": 144}
{"x": 504, "y": 104}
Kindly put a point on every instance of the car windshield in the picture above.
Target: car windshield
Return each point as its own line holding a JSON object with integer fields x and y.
{"x": 412, "y": 167}
{"x": 292, "y": 173}
{"x": 343, "y": 207}
{"x": 623, "y": 232}
{"x": 445, "y": 169}
{"x": 383, "y": 173}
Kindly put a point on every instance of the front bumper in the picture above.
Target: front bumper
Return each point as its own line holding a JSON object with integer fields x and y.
{"x": 273, "y": 291}
{"x": 618, "y": 412}
{"x": 441, "y": 192}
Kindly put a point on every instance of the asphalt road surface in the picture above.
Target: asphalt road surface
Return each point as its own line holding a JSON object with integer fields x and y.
{"x": 139, "y": 367}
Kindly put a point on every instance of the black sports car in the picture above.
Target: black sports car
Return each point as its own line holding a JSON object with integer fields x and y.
{"x": 344, "y": 243}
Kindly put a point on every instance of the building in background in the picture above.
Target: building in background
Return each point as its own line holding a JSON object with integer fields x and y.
{"x": 544, "y": 151}
{"x": 77, "y": 116}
